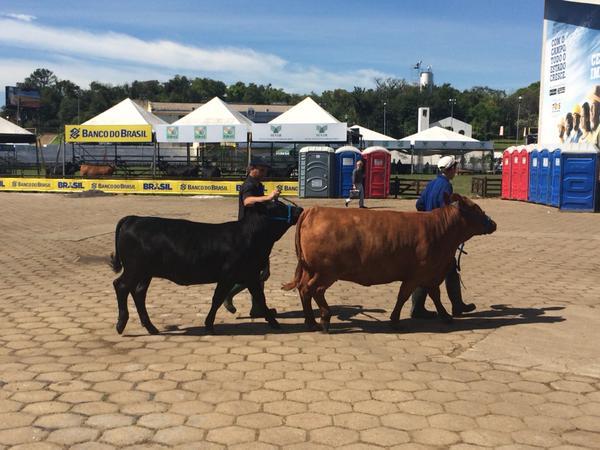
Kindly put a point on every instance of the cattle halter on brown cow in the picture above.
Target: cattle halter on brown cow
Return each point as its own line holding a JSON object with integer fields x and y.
{"x": 376, "y": 247}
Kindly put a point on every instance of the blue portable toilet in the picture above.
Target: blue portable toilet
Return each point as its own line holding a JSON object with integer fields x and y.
{"x": 579, "y": 177}
{"x": 555, "y": 178}
{"x": 345, "y": 161}
{"x": 534, "y": 173}
{"x": 544, "y": 177}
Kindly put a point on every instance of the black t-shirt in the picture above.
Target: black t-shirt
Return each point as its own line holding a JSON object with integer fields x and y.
{"x": 250, "y": 188}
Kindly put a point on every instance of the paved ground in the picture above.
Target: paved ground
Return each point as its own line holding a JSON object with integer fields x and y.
{"x": 521, "y": 372}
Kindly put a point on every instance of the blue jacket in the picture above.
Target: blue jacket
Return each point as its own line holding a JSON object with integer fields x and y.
{"x": 433, "y": 195}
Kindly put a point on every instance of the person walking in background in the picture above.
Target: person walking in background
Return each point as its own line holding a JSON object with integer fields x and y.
{"x": 358, "y": 179}
{"x": 433, "y": 198}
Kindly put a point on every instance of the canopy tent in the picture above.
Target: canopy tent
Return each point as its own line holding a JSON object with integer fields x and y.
{"x": 437, "y": 140}
{"x": 214, "y": 112}
{"x": 304, "y": 122}
{"x": 430, "y": 144}
{"x": 307, "y": 111}
{"x": 126, "y": 112}
{"x": 373, "y": 138}
{"x": 14, "y": 134}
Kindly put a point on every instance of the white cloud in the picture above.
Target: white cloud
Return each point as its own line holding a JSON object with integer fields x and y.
{"x": 83, "y": 56}
{"x": 22, "y": 17}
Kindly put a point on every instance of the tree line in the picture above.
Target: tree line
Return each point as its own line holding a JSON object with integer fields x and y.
{"x": 486, "y": 109}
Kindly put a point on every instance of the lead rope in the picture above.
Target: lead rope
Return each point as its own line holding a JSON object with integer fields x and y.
{"x": 460, "y": 253}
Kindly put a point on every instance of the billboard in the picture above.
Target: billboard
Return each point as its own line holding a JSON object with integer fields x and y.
{"x": 570, "y": 78}
{"x": 108, "y": 133}
{"x": 21, "y": 98}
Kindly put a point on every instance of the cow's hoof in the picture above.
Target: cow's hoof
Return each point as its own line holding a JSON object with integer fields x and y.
{"x": 210, "y": 329}
{"x": 256, "y": 314}
{"x": 423, "y": 314}
{"x": 464, "y": 308}
{"x": 121, "y": 326}
{"x": 325, "y": 327}
{"x": 152, "y": 329}
{"x": 229, "y": 306}
{"x": 312, "y": 326}
{"x": 274, "y": 324}
{"x": 447, "y": 319}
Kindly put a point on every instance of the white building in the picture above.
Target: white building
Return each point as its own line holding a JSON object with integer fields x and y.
{"x": 453, "y": 124}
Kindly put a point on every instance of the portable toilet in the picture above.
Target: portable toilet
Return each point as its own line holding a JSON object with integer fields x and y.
{"x": 345, "y": 161}
{"x": 544, "y": 177}
{"x": 579, "y": 177}
{"x": 555, "y": 178}
{"x": 515, "y": 173}
{"x": 378, "y": 161}
{"x": 316, "y": 172}
{"x": 506, "y": 172}
{"x": 534, "y": 174}
{"x": 523, "y": 173}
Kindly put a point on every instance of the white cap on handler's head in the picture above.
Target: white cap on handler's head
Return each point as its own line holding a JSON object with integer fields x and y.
{"x": 446, "y": 162}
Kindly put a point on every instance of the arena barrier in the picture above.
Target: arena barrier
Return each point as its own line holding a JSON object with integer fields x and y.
{"x": 178, "y": 187}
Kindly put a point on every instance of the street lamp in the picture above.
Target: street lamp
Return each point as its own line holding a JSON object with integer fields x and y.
{"x": 384, "y": 121}
{"x": 452, "y": 102}
{"x": 518, "y": 117}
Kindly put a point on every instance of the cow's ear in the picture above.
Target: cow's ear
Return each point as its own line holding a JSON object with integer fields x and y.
{"x": 447, "y": 198}
{"x": 455, "y": 198}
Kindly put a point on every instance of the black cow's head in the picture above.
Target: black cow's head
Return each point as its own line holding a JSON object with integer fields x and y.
{"x": 284, "y": 211}
{"x": 475, "y": 217}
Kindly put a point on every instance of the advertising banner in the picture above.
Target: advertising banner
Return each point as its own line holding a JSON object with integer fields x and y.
{"x": 570, "y": 78}
{"x": 108, "y": 133}
{"x": 299, "y": 132}
{"x": 179, "y": 187}
{"x": 21, "y": 98}
{"x": 201, "y": 133}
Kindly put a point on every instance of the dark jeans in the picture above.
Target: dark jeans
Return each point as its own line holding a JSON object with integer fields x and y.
{"x": 361, "y": 194}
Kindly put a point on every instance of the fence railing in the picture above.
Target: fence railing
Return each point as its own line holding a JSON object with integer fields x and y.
{"x": 407, "y": 186}
{"x": 486, "y": 186}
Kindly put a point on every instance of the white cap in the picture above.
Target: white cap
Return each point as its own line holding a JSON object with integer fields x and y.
{"x": 446, "y": 162}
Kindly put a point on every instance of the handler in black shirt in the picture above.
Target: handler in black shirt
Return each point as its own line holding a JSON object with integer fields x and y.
{"x": 252, "y": 191}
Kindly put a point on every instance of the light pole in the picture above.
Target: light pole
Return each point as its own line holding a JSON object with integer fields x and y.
{"x": 384, "y": 121}
{"x": 518, "y": 117}
{"x": 452, "y": 102}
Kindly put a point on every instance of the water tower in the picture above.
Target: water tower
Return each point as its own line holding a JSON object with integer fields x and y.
{"x": 426, "y": 80}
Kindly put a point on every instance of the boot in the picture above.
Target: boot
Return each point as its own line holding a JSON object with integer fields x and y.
{"x": 418, "y": 310}
{"x": 455, "y": 295}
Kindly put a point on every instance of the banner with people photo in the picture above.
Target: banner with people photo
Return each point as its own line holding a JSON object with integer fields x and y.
{"x": 570, "y": 79}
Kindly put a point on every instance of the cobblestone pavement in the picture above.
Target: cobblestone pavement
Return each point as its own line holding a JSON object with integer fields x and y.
{"x": 521, "y": 372}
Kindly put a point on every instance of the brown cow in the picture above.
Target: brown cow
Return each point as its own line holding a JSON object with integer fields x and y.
{"x": 95, "y": 170}
{"x": 376, "y": 247}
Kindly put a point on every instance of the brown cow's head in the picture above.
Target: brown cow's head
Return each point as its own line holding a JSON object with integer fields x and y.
{"x": 480, "y": 222}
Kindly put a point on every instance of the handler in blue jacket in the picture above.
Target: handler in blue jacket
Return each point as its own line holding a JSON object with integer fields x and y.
{"x": 432, "y": 198}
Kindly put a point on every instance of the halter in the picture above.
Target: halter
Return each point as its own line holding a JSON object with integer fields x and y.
{"x": 287, "y": 219}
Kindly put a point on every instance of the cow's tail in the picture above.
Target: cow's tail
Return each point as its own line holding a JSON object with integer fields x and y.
{"x": 115, "y": 260}
{"x": 301, "y": 263}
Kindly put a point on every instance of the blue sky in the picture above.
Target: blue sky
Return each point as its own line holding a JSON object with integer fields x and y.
{"x": 300, "y": 46}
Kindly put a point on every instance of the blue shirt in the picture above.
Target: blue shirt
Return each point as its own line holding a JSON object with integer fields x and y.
{"x": 433, "y": 195}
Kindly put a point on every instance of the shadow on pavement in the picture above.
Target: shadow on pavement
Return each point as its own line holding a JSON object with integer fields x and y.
{"x": 349, "y": 319}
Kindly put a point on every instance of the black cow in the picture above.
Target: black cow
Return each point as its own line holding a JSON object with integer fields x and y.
{"x": 188, "y": 253}
{"x": 179, "y": 170}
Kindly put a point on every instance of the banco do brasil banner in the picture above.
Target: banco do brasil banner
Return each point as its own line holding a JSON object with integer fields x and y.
{"x": 108, "y": 133}
{"x": 570, "y": 79}
{"x": 178, "y": 187}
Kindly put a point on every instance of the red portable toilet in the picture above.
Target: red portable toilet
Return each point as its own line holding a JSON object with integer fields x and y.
{"x": 378, "y": 162}
{"x": 506, "y": 172}
{"x": 515, "y": 173}
{"x": 521, "y": 169}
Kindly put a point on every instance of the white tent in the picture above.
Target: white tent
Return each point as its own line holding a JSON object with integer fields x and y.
{"x": 438, "y": 139}
{"x": 14, "y": 134}
{"x": 307, "y": 112}
{"x": 373, "y": 138}
{"x": 215, "y": 112}
{"x": 126, "y": 112}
